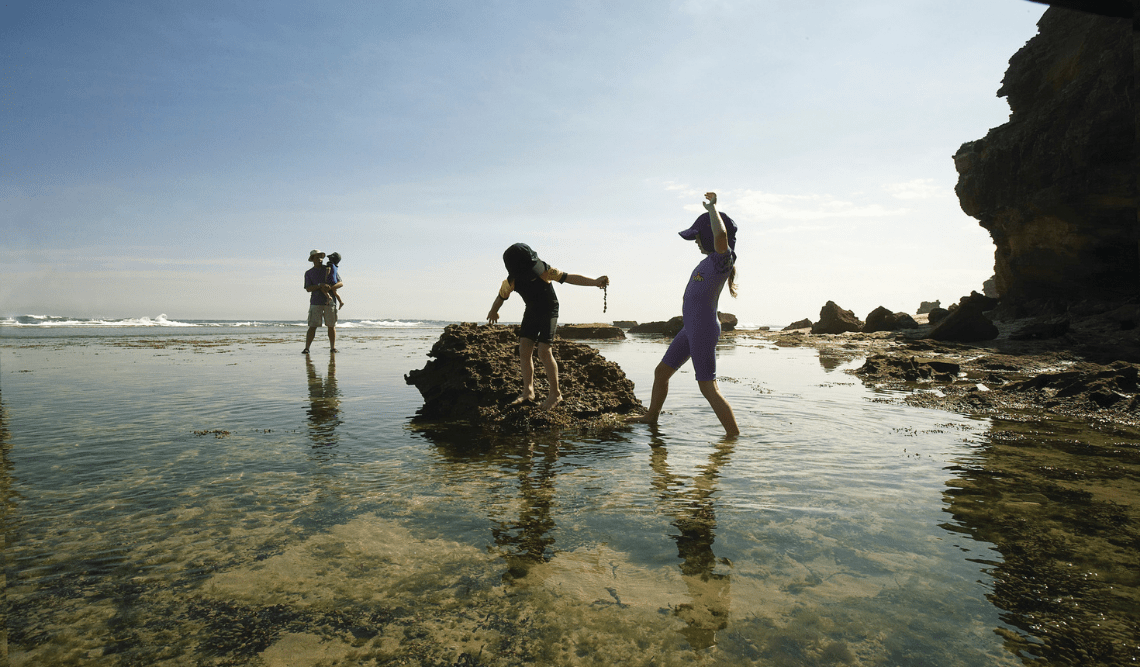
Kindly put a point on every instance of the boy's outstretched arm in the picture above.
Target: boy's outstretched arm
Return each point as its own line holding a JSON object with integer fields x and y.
{"x": 575, "y": 279}
{"x": 493, "y": 316}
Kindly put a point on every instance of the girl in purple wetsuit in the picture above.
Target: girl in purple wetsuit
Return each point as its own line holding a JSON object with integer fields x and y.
{"x": 715, "y": 234}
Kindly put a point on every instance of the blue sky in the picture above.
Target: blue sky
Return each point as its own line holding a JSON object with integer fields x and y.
{"x": 182, "y": 158}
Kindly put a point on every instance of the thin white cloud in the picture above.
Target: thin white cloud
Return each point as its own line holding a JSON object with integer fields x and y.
{"x": 919, "y": 188}
{"x": 771, "y": 206}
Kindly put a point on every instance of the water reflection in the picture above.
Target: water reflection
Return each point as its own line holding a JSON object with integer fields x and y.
{"x": 829, "y": 360}
{"x": 694, "y": 516}
{"x": 1060, "y": 502}
{"x": 324, "y": 404}
{"x": 7, "y": 505}
{"x": 522, "y": 524}
{"x": 527, "y": 540}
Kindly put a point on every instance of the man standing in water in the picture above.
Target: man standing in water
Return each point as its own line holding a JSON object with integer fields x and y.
{"x": 319, "y": 282}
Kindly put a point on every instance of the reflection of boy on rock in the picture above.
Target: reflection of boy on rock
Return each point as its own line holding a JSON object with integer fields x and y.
{"x": 531, "y": 277}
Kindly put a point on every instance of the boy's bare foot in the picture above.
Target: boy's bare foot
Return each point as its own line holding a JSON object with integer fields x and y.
{"x": 551, "y": 402}
{"x": 521, "y": 400}
{"x": 641, "y": 419}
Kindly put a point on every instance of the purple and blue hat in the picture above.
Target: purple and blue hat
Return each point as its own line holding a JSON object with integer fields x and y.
{"x": 703, "y": 227}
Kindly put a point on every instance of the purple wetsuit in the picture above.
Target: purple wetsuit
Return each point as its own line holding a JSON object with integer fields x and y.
{"x": 702, "y": 327}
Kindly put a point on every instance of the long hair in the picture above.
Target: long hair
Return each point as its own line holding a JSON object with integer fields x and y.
{"x": 732, "y": 282}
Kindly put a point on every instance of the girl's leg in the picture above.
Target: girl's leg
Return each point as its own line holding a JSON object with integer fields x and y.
{"x": 720, "y": 406}
{"x": 526, "y": 359}
{"x": 661, "y": 377}
{"x": 554, "y": 396}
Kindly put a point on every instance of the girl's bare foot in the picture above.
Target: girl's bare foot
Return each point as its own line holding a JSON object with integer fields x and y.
{"x": 550, "y": 402}
{"x": 521, "y": 400}
{"x": 641, "y": 419}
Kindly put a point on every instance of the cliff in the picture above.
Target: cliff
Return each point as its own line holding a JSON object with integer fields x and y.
{"x": 1056, "y": 186}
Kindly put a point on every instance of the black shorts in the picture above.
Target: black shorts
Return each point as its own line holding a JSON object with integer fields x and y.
{"x": 539, "y": 323}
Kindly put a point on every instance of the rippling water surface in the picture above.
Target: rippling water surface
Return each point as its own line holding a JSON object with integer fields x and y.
{"x": 190, "y": 499}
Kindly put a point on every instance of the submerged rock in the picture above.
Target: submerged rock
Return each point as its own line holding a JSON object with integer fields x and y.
{"x": 474, "y": 373}
{"x": 835, "y": 320}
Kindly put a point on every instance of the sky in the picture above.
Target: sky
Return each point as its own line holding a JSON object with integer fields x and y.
{"x": 183, "y": 158}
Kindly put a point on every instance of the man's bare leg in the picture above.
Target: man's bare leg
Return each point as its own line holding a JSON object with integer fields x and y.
{"x": 660, "y": 390}
{"x": 720, "y": 406}
{"x": 554, "y": 396}
{"x": 526, "y": 360}
{"x": 309, "y": 336}
{"x": 332, "y": 338}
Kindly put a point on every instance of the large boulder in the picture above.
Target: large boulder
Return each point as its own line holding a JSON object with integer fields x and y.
{"x": 904, "y": 321}
{"x": 473, "y": 374}
{"x": 1056, "y": 186}
{"x": 965, "y": 324}
{"x": 879, "y": 319}
{"x": 937, "y": 315}
{"x": 799, "y": 324}
{"x": 835, "y": 320}
{"x": 728, "y": 321}
{"x": 882, "y": 319}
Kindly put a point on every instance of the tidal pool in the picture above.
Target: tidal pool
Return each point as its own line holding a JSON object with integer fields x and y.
{"x": 183, "y": 499}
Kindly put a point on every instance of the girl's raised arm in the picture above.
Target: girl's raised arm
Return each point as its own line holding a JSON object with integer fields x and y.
{"x": 720, "y": 234}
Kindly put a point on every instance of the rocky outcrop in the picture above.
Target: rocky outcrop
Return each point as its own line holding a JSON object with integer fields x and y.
{"x": 799, "y": 324}
{"x": 882, "y": 319}
{"x": 965, "y": 324}
{"x": 927, "y": 306}
{"x": 835, "y": 320}
{"x": 474, "y": 373}
{"x": 1056, "y": 186}
{"x": 590, "y": 332}
{"x": 669, "y": 328}
{"x": 728, "y": 321}
{"x": 937, "y": 315}
{"x": 625, "y": 324}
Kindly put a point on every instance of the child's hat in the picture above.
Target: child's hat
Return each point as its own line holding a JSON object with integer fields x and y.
{"x": 521, "y": 260}
{"x": 334, "y": 258}
{"x": 703, "y": 227}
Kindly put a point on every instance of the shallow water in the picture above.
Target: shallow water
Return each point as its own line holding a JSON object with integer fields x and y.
{"x": 217, "y": 498}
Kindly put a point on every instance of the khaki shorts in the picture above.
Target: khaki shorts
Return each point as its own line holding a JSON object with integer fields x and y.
{"x": 325, "y": 313}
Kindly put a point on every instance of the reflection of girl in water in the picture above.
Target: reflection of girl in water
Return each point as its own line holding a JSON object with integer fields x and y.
{"x": 715, "y": 234}
{"x": 694, "y": 517}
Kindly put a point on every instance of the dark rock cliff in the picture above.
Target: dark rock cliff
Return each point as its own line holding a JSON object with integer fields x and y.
{"x": 1056, "y": 186}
